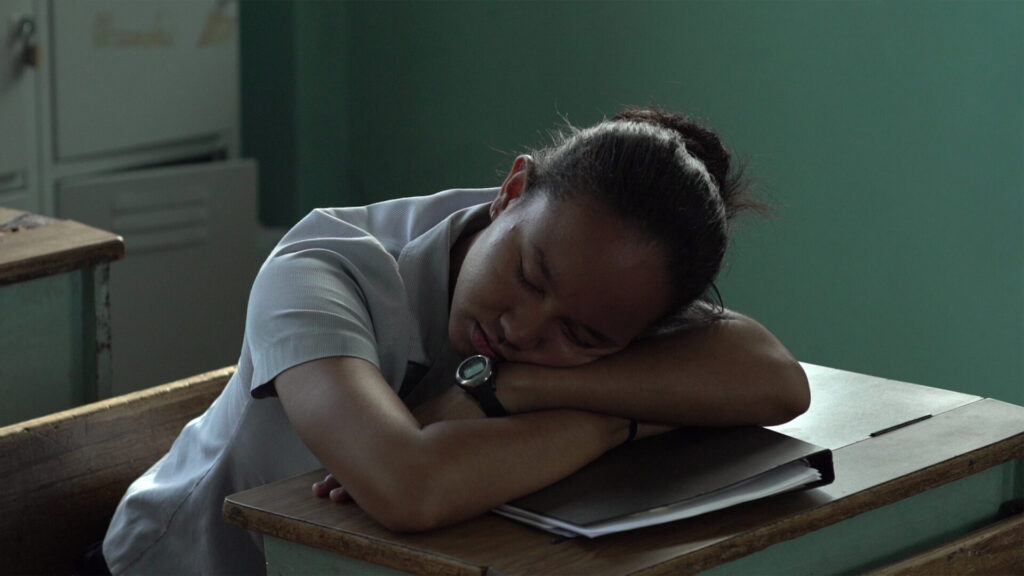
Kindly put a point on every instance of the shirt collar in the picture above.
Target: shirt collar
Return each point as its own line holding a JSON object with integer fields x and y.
{"x": 424, "y": 265}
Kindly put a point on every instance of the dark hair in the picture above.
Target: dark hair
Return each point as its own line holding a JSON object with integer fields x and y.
{"x": 666, "y": 175}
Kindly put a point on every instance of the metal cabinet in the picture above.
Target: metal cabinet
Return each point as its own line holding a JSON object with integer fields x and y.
{"x": 18, "y": 160}
{"x": 179, "y": 298}
{"x": 125, "y": 116}
{"x": 132, "y": 75}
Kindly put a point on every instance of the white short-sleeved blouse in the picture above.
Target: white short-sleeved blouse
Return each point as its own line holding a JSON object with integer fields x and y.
{"x": 370, "y": 282}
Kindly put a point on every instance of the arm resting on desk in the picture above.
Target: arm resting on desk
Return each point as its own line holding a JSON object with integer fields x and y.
{"x": 731, "y": 372}
{"x": 411, "y": 477}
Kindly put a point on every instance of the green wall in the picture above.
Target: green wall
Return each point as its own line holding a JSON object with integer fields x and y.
{"x": 889, "y": 135}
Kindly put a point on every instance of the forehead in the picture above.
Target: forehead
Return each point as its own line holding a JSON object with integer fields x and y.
{"x": 602, "y": 271}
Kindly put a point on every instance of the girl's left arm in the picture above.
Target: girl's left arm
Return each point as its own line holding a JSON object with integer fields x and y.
{"x": 731, "y": 372}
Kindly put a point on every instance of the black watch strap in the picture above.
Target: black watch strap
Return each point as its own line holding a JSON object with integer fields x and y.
{"x": 486, "y": 396}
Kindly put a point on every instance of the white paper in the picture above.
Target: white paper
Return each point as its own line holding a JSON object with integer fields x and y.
{"x": 782, "y": 479}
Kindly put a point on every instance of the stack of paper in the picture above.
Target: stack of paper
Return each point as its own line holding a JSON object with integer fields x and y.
{"x": 673, "y": 476}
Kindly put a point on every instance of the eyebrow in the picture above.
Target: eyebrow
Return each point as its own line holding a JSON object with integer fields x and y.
{"x": 542, "y": 263}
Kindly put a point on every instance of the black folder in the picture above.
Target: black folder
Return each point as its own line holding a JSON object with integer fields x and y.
{"x": 675, "y": 475}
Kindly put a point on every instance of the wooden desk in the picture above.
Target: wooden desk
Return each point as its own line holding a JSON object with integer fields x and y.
{"x": 964, "y": 436}
{"x": 38, "y": 248}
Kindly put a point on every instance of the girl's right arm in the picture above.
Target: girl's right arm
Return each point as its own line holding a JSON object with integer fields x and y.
{"x": 411, "y": 477}
{"x": 728, "y": 373}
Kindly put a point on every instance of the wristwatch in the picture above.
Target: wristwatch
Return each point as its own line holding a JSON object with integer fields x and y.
{"x": 477, "y": 375}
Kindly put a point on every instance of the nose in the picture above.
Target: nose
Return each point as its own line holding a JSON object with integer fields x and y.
{"x": 523, "y": 327}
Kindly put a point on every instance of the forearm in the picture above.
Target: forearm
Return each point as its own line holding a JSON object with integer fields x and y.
{"x": 413, "y": 477}
{"x": 731, "y": 372}
{"x": 475, "y": 465}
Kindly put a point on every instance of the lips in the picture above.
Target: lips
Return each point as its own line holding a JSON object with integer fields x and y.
{"x": 481, "y": 343}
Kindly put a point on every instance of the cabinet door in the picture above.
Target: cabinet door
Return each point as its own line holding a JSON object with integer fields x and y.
{"x": 17, "y": 138}
{"x": 178, "y": 298}
{"x": 130, "y": 75}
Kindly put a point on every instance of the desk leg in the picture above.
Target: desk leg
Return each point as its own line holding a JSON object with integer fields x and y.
{"x": 96, "y": 369}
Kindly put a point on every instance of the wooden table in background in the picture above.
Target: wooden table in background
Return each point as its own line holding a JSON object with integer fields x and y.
{"x": 959, "y": 438}
{"x": 33, "y": 246}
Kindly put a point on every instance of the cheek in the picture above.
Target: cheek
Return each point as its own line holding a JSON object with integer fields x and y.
{"x": 477, "y": 297}
{"x": 473, "y": 293}
{"x": 483, "y": 282}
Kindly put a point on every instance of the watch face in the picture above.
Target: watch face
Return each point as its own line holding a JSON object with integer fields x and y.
{"x": 472, "y": 368}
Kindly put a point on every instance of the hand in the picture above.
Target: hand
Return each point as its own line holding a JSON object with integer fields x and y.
{"x": 330, "y": 487}
{"x": 452, "y": 404}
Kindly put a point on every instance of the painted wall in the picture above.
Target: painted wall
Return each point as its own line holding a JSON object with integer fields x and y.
{"x": 889, "y": 135}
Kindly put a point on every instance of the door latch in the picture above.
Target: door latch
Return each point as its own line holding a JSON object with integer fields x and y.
{"x": 25, "y": 35}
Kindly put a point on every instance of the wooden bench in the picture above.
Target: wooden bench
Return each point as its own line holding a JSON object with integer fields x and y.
{"x": 63, "y": 474}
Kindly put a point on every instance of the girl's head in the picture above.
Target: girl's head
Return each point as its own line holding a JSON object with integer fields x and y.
{"x": 596, "y": 238}
{"x": 662, "y": 174}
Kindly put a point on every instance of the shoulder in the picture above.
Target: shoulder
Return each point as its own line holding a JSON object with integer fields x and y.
{"x": 405, "y": 219}
{"x": 390, "y": 223}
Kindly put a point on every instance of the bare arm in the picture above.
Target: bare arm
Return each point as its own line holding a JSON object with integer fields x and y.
{"x": 731, "y": 372}
{"x": 413, "y": 477}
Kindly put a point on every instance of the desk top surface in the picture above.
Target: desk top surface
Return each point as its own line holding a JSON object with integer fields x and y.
{"x": 959, "y": 435}
{"x": 33, "y": 246}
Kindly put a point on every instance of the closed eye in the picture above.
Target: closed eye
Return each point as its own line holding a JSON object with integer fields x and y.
{"x": 521, "y": 275}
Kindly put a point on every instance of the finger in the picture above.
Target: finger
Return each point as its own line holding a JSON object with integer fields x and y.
{"x": 320, "y": 489}
{"x": 324, "y": 487}
{"x": 339, "y": 494}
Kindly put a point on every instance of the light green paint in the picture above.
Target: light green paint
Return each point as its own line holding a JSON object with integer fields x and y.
{"x": 890, "y": 136}
{"x": 889, "y": 534}
{"x": 41, "y": 360}
{"x": 284, "y": 558}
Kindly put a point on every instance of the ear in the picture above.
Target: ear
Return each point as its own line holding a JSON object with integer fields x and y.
{"x": 514, "y": 186}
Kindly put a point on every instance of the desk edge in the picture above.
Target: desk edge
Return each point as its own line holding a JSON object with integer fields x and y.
{"x": 730, "y": 548}
{"x": 797, "y": 525}
{"x": 354, "y": 545}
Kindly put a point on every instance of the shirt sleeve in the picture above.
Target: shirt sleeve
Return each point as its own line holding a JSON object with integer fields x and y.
{"x": 335, "y": 297}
